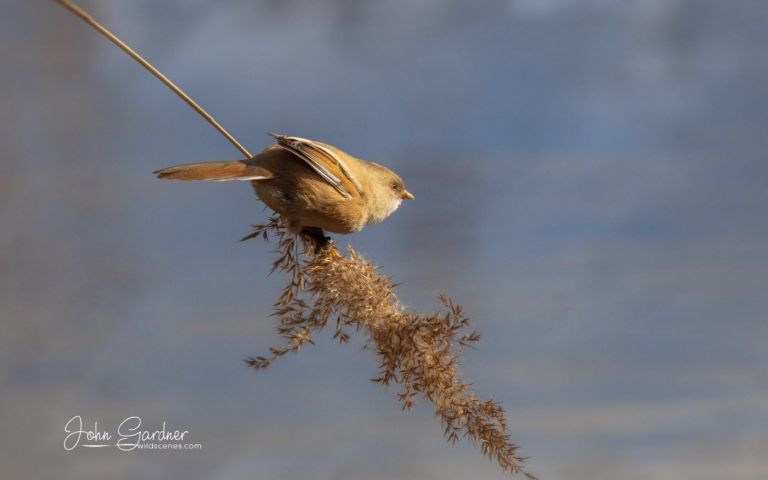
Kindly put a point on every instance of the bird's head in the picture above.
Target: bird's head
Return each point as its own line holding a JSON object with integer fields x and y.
{"x": 388, "y": 192}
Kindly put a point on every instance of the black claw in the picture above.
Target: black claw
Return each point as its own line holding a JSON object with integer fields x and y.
{"x": 316, "y": 236}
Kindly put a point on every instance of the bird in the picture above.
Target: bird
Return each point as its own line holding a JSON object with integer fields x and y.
{"x": 312, "y": 185}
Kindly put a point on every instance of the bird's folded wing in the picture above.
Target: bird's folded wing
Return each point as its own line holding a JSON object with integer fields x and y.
{"x": 325, "y": 161}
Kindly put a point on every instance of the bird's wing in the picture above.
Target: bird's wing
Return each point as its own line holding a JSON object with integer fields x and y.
{"x": 323, "y": 160}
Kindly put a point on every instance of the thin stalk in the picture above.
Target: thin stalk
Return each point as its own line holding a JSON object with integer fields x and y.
{"x": 87, "y": 18}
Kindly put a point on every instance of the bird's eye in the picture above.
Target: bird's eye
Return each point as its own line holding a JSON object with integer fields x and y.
{"x": 395, "y": 187}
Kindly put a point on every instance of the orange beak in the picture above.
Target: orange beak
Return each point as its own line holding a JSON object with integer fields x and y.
{"x": 407, "y": 195}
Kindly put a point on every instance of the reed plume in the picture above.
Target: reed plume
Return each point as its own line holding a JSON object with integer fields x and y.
{"x": 417, "y": 351}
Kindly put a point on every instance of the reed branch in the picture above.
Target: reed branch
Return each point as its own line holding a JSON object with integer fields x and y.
{"x": 87, "y": 18}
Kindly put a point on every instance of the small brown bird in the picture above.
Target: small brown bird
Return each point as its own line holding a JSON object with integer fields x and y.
{"x": 311, "y": 184}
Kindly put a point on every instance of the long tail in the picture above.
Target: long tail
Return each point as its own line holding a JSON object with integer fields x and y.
{"x": 216, "y": 171}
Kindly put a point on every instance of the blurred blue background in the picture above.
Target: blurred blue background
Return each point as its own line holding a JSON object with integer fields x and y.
{"x": 591, "y": 185}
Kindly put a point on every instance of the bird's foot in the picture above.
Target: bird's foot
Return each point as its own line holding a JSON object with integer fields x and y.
{"x": 316, "y": 237}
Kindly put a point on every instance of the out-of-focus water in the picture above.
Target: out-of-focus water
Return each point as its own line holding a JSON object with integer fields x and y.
{"x": 591, "y": 185}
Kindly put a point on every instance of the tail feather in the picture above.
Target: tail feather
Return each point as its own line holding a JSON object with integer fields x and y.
{"x": 216, "y": 171}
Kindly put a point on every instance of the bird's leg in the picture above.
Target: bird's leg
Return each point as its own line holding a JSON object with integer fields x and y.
{"x": 315, "y": 236}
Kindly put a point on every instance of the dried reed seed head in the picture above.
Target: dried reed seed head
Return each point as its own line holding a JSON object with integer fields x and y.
{"x": 420, "y": 352}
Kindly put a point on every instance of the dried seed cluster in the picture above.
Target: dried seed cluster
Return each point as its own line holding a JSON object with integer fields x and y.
{"x": 419, "y": 352}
